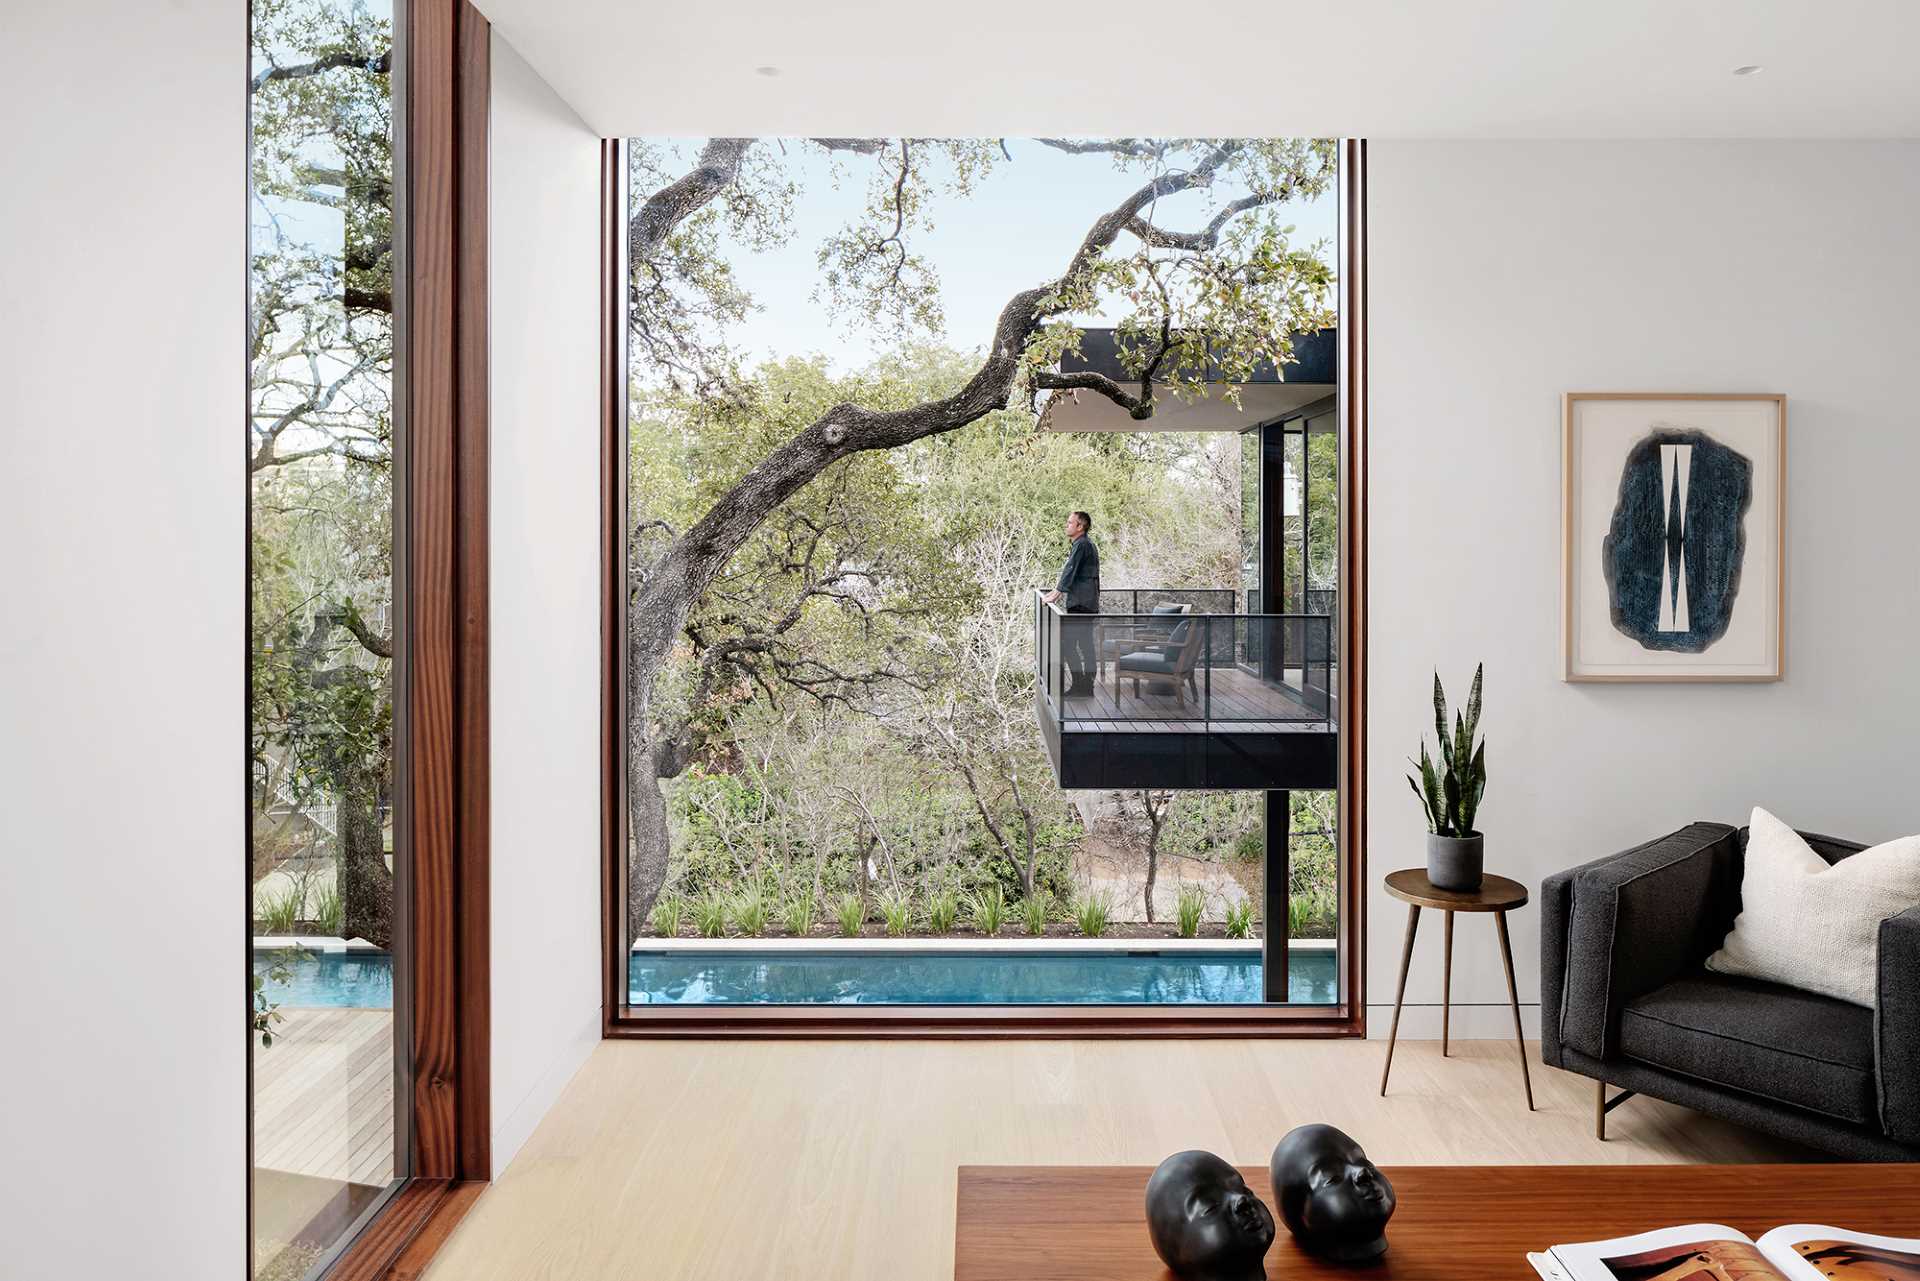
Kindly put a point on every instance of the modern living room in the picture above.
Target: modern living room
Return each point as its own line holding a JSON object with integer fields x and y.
{"x": 851, "y": 643}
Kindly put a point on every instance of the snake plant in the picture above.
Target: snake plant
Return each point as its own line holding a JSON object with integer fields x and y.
{"x": 1450, "y": 794}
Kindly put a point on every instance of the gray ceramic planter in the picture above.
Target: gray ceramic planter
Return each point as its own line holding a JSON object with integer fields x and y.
{"x": 1455, "y": 862}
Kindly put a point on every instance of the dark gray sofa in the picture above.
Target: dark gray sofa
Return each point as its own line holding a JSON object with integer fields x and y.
{"x": 1627, "y": 1000}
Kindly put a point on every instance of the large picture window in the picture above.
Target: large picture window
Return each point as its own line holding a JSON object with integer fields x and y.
{"x": 977, "y": 542}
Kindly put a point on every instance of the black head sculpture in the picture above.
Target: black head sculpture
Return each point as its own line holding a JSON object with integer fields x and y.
{"x": 1334, "y": 1201}
{"x": 1205, "y": 1224}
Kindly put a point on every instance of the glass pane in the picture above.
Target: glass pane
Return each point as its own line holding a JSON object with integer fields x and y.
{"x": 321, "y": 724}
{"x": 847, "y": 782}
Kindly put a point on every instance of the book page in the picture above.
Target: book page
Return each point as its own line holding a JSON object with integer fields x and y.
{"x": 1811, "y": 1252}
{"x": 1698, "y": 1252}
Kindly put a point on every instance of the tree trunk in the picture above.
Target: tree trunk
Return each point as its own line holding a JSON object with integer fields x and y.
{"x": 1155, "y": 816}
{"x": 365, "y": 882}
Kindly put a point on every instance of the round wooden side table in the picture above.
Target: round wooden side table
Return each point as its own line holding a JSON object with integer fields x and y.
{"x": 1496, "y": 894}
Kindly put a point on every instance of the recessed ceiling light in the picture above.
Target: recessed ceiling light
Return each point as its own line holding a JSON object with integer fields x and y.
{"x": 1751, "y": 69}
{"x": 774, "y": 71}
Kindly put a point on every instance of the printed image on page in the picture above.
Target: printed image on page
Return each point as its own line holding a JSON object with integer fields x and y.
{"x": 1713, "y": 1252}
{"x": 1697, "y": 1252}
{"x": 1811, "y": 1252}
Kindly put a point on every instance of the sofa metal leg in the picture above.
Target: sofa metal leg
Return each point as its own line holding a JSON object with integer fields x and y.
{"x": 1603, "y": 1105}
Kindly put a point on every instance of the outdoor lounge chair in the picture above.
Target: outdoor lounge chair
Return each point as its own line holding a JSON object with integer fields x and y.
{"x": 1116, "y": 639}
{"x": 1172, "y": 661}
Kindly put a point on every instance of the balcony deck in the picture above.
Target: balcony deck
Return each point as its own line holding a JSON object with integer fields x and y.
{"x": 1230, "y": 700}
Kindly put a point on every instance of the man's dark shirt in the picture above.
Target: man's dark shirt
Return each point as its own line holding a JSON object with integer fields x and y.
{"x": 1079, "y": 584}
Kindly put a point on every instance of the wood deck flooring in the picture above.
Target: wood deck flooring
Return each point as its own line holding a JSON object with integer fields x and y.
{"x": 323, "y": 1096}
{"x": 1237, "y": 701}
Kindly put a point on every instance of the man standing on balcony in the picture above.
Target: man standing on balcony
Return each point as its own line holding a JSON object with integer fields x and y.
{"x": 1078, "y": 592}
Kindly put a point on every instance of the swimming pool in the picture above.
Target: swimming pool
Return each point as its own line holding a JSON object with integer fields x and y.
{"x": 334, "y": 980}
{"x": 692, "y": 976}
{"x": 929, "y": 977}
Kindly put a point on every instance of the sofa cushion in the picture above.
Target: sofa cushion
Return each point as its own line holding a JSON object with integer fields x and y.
{"x": 1780, "y": 1043}
{"x": 1814, "y": 923}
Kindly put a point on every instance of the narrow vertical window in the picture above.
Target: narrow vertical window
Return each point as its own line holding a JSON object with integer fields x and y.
{"x": 326, "y": 1142}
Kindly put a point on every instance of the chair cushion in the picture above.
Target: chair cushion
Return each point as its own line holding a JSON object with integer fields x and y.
{"x": 1147, "y": 660}
{"x": 1176, "y": 641}
{"x": 1169, "y": 609}
{"x": 1780, "y": 1043}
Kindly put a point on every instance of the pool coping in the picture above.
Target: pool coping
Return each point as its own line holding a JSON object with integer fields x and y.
{"x": 1013, "y": 946}
{"x": 314, "y": 943}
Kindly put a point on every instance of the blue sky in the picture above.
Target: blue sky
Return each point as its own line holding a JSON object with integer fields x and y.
{"x": 1017, "y": 229}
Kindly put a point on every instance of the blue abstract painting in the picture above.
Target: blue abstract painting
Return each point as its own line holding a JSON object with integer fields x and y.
{"x": 1673, "y": 551}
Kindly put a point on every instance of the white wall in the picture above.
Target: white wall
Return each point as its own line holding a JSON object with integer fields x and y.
{"x": 122, "y": 535}
{"x": 1502, "y": 275}
{"x": 544, "y": 278}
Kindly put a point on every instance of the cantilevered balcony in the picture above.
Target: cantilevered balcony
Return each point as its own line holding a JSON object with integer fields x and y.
{"x": 1185, "y": 693}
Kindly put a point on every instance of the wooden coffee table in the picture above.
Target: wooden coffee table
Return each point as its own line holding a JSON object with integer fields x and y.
{"x": 1087, "y": 1223}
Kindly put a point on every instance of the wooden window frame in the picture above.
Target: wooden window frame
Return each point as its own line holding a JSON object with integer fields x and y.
{"x": 442, "y": 90}
{"x": 620, "y": 1020}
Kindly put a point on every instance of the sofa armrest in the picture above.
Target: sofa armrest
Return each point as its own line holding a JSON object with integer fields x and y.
{"x": 1896, "y": 1027}
{"x": 1637, "y": 921}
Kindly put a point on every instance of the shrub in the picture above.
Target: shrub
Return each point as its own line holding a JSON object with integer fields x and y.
{"x": 896, "y": 909}
{"x": 852, "y": 915}
{"x": 989, "y": 910}
{"x": 1240, "y": 920}
{"x": 710, "y": 913}
{"x": 1034, "y": 912}
{"x": 279, "y": 913}
{"x": 798, "y": 914}
{"x": 750, "y": 911}
{"x": 1092, "y": 912}
{"x": 943, "y": 908}
{"x": 668, "y": 911}
{"x": 328, "y": 912}
{"x": 1190, "y": 910}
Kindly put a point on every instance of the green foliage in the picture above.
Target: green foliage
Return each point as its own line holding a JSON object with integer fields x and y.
{"x": 1033, "y": 911}
{"x": 1450, "y": 795}
{"x": 989, "y": 910}
{"x": 1310, "y": 914}
{"x": 943, "y": 908}
{"x": 279, "y": 913}
{"x": 1190, "y": 909}
{"x": 668, "y": 912}
{"x": 749, "y": 910}
{"x": 1240, "y": 919}
{"x": 1091, "y": 913}
{"x": 896, "y": 909}
{"x": 328, "y": 912}
{"x": 266, "y": 1013}
{"x": 797, "y": 913}
{"x": 710, "y": 912}
{"x": 852, "y": 915}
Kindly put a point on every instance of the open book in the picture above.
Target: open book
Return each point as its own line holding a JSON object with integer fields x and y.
{"x": 1710, "y": 1252}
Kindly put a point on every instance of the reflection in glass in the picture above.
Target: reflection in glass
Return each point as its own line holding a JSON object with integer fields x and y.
{"x": 321, "y": 726}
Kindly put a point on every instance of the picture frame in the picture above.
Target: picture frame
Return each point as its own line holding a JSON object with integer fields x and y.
{"x": 1673, "y": 557}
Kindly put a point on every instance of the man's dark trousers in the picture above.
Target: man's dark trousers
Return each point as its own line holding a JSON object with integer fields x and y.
{"x": 1077, "y": 635}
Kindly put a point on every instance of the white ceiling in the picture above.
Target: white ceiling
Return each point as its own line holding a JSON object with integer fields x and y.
{"x": 1365, "y": 68}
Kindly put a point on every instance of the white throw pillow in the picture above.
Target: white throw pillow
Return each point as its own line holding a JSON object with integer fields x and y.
{"x": 1812, "y": 925}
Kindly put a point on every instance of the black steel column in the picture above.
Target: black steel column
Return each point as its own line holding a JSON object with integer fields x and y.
{"x": 1279, "y": 834}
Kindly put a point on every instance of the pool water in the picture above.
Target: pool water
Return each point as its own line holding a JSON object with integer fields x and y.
{"x": 364, "y": 980}
{"x": 355, "y": 980}
{"x": 970, "y": 978}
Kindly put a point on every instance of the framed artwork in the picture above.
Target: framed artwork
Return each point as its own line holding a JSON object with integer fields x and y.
{"x": 1673, "y": 565}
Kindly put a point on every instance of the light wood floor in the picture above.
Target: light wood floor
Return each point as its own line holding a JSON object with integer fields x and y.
{"x": 737, "y": 1160}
